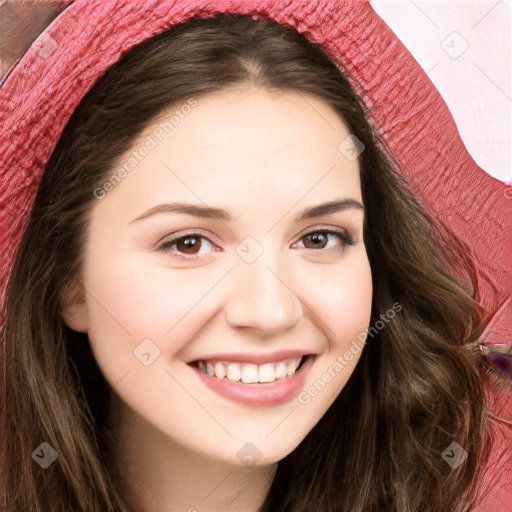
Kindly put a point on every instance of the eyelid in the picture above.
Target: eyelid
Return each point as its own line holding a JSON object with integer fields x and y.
{"x": 187, "y": 232}
{"x": 325, "y": 227}
{"x": 345, "y": 234}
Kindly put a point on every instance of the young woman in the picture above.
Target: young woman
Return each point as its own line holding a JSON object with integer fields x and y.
{"x": 227, "y": 298}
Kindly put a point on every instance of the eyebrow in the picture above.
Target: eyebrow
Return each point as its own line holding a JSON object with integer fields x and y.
{"x": 219, "y": 213}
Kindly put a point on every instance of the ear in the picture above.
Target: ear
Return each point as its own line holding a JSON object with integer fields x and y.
{"x": 73, "y": 307}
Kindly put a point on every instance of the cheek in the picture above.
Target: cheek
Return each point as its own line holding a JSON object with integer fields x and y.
{"x": 345, "y": 304}
{"x": 129, "y": 302}
{"x": 342, "y": 299}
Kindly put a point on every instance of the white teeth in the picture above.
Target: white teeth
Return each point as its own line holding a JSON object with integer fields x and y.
{"x": 250, "y": 373}
{"x": 266, "y": 373}
{"x": 220, "y": 371}
{"x": 234, "y": 372}
{"x": 280, "y": 370}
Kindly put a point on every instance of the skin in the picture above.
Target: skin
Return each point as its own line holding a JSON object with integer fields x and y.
{"x": 177, "y": 440}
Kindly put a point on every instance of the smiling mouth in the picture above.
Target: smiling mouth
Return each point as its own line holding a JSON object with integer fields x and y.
{"x": 250, "y": 373}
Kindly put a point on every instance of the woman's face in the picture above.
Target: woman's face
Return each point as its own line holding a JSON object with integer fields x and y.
{"x": 240, "y": 289}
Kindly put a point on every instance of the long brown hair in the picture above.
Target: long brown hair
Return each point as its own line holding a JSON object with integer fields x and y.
{"x": 416, "y": 388}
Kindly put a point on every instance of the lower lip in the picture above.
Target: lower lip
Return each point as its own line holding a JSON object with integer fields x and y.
{"x": 273, "y": 393}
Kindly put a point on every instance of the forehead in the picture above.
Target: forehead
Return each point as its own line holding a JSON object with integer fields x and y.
{"x": 252, "y": 115}
{"x": 243, "y": 145}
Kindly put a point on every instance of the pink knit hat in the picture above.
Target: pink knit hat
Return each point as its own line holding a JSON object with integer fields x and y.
{"x": 62, "y": 64}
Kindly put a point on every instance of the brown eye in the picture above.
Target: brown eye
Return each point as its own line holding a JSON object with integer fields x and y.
{"x": 319, "y": 238}
{"x": 188, "y": 245}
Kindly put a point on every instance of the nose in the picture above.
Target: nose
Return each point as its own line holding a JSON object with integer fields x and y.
{"x": 262, "y": 299}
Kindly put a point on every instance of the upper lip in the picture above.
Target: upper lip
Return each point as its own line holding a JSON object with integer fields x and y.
{"x": 255, "y": 357}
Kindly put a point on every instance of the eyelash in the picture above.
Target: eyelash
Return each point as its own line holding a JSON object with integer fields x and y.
{"x": 164, "y": 246}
